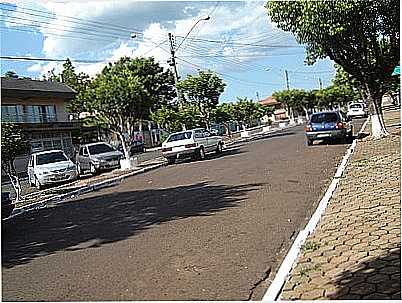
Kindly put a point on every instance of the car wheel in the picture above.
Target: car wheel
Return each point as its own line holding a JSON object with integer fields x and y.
{"x": 309, "y": 142}
{"x": 171, "y": 160}
{"x": 37, "y": 184}
{"x": 219, "y": 148}
{"x": 201, "y": 154}
{"x": 93, "y": 169}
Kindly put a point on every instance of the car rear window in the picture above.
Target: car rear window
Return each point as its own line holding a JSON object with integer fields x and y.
{"x": 179, "y": 136}
{"x": 355, "y": 106}
{"x": 99, "y": 149}
{"x": 50, "y": 158}
{"x": 324, "y": 117}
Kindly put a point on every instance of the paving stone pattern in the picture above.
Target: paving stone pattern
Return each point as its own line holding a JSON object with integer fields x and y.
{"x": 355, "y": 251}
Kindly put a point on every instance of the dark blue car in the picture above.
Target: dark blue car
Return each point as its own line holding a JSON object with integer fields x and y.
{"x": 328, "y": 125}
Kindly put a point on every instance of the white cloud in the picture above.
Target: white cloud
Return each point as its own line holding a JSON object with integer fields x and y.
{"x": 242, "y": 22}
{"x": 35, "y": 68}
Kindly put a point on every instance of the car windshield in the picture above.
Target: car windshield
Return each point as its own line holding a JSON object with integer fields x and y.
{"x": 355, "y": 106}
{"x": 179, "y": 136}
{"x": 324, "y": 117}
{"x": 99, "y": 149}
{"x": 50, "y": 158}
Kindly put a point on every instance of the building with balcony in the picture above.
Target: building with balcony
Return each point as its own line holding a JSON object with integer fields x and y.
{"x": 39, "y": 107}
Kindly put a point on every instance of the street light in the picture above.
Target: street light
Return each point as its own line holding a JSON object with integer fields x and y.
{"x": 202, "y": 19}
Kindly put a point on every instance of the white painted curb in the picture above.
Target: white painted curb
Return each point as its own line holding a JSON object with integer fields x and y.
{"x": 74, "y": 193}
{"x": 276, "y": 286}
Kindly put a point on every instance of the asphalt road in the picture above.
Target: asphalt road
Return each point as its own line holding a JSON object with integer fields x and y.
{"x": 211, "y": 230}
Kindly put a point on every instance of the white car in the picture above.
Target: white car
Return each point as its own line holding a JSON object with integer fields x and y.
{"x": 194, "y": 143}
{"x": 50, "y": 167}
{"x": 357, "y": 109}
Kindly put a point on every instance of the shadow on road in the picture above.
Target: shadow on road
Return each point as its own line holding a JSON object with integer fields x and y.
{"x": 110, "y": 217}
{"x": 230, "y": 151}
{"x": 378, "y": 278}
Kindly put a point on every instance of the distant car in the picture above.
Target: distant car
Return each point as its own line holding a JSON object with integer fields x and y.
{"x": 328, "y": 125}
{"x": 357, "y": 109}
{"x": 7, "y": 206}
{"x": 194, "y": 143}
{"x": 95, "y": 157}
{"x": 134, "y": 147}
{"x": 50, "y": 167}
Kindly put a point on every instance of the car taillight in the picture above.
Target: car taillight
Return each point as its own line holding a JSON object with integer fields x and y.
{"x": 166, "y": 149}
{"x": 190, "y": 145}
{"x": 340, "y": 125}
{"x": 307, "y": 128}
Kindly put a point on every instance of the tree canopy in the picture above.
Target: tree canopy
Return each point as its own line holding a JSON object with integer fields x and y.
{"x": 361, "y": 36}
{"x": 203, "y": 91}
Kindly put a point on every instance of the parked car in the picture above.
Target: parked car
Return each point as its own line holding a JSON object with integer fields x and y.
{"x": 50, "y": 167}
{"x": 7, "y": 206}
{"x": 194, "y": 143}
{"x": 95, "y": 157}
{"x": 134, "y": 147}
{"x": 328, "y": 125}
{"x": 357, "y": 109}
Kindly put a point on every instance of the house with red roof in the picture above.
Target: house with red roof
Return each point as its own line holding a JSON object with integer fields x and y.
{"x": 280, "y": 113}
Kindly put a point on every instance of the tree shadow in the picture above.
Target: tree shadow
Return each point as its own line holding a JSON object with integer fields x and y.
{"x": 274, "y": 135}
{"x": 377, "y": 278}
{"x": 110, "y": 217}
{"x": 229, "y": 151}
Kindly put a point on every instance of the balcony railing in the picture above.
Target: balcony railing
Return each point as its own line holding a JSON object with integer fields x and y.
{"x": 28, "y": 118}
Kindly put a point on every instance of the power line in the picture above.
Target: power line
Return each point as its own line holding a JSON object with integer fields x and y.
{"x": 15, "y": 58}
{"x": 55, "y": 35}
{"x": 79, "y": 20}
{"x": 246, "y": 44}
{"x": 229, "y": 76}
{"x": 64, "y": 30}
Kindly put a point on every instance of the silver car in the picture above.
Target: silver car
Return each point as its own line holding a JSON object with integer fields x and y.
{"x": 95, "y": 157}
{"x": 50, "y": 167}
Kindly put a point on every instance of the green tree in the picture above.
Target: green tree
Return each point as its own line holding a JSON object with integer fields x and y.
{"x": 11, "y": 74}
{"x": 361, "y": 36}
{"x": 203, "y": 91}
{"x": 124, "y": 94}
{"x": 246, "y": 111}
{"x": 223, "y": 114}
{"x": 172, "y": 118}
{"x": 13, "y": 143}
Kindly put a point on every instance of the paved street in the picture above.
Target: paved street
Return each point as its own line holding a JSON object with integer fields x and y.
{"x": 211, "y": 230}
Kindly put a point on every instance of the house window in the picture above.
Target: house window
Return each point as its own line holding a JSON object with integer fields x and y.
{"x": 41, "y": 113}
{"x": 11, "y": 113}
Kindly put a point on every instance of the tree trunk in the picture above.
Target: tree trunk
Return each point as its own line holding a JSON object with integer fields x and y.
{"x": 378, "y": 129}
{"x": 123, "y": 144}
{"x": 10, "y": 170}
{"x": 228, "y": 132}
{"x": 306, "y": 112}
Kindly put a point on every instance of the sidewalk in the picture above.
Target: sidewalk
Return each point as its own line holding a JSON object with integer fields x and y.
{"x": 354, "y": 252}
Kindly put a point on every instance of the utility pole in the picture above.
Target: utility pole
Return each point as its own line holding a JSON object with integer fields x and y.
{"x": 320, "y": 82}
{"x": 258, "y": 96}
{"x": 287, "y": 79}
{"x": 172, "y": 61}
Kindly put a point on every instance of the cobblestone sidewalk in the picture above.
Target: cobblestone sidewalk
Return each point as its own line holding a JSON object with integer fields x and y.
{"x": 355, "y": 251}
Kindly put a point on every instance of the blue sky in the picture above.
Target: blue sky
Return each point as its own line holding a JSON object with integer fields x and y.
{"x": 238, "y": 42}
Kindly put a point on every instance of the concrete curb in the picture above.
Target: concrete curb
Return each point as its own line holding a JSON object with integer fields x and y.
{"x": 276, "y": 286}
{"x": 252, "y": 137}
{"x": 75, "y": 193}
